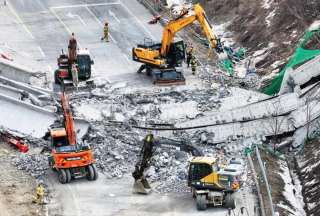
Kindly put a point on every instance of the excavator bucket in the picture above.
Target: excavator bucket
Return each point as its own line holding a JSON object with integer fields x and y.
{"x": 141, "y": 186}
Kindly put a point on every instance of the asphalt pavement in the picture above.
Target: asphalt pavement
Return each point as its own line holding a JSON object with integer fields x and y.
{"x": 46, "y": 26}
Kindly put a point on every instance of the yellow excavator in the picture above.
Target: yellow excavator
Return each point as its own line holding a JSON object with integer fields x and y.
{"x": 211, "y": 182}
{"x": 162, "y": 60}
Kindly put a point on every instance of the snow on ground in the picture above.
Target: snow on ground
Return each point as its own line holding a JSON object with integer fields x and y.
{"x": 222, "y": 32}
{"x": 179, "y": 110}
{"x": 241, "y": 97}
{"x": 292, "y": 192}
{"x": 270, "y": 17}
{"x": 267, "y": 4}
{"x": 315, "y": 25}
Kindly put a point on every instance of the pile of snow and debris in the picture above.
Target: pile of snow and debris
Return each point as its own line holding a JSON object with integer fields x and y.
{"x": 163, "y": 105}
{"x": 114, "y": 112}
{"x": 115, "y": 148}
{"x": 216, "y": 77}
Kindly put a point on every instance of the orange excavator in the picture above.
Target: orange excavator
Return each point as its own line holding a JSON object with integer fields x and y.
{"x": 70, "y": 157}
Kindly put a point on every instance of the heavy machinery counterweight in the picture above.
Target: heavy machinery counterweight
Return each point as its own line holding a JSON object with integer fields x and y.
{"x": 163, "y": 60}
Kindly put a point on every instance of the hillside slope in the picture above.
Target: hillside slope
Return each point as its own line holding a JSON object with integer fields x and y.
{"x": 270, "y": 25}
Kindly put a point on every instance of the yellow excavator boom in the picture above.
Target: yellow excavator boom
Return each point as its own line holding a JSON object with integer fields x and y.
{"x": 178, "y": 24}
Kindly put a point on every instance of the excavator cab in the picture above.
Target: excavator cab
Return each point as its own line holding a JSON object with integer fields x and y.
{"x": 84, "y": 63}
{"x": 59, "y": 137}
{"x": 176, "y": 54}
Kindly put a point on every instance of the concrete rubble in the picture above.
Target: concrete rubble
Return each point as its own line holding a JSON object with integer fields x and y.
{"x": 113, "y": 113}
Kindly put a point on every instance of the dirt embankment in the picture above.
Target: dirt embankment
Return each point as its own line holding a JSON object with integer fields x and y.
{"x": 309, "y": 175}
{"x": 17, "y": 188}
{"x": 275, "y": 181}
{"x": 266, "y": 24}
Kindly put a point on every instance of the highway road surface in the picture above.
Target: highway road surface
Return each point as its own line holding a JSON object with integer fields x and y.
{"x": 41, "y": 29}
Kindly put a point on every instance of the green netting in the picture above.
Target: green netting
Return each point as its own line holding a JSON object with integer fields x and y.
{"x": 227, "y": 65}
{"x": 304, "y": 52}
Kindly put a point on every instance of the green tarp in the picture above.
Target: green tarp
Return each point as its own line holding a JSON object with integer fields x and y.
{"x": 306, "y": 50}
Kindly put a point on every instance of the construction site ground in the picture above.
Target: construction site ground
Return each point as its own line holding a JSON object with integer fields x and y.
{"x": 115, "y": 197}
{"x": 16, "y": 188}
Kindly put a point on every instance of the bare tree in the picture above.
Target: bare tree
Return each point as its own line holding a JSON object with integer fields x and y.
{"x": 275, "y": 122}
{"x": 311, "y": 103}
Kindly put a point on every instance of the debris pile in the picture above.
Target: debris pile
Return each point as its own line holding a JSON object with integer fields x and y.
{"x": 211, "y": 76}
{"x": 36, "y": 164}
{"x": 115, "y": 148}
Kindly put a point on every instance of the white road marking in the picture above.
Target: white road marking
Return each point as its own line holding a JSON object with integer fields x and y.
{"x": 69, "y": 14}
{"x": 50, "y": 68}
{"x": 113, "y": 15}
{"x": 41, "y": 52}
{"x": 64, "y": 25}
{"x": 19, "y": 19}
{"x": 85, "y": 5}
{"x": 100, "y": 23}
{"x": 136, "y": 18}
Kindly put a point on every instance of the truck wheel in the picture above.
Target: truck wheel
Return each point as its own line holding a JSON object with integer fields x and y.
{"x": 68, "y": 174}
{"x": 201, "y": 202}
{"x": 90, "y": 173}
{"x": 96, "y": 175}
{"x": 62, "y": 176}
{"x": 229, "y": 202}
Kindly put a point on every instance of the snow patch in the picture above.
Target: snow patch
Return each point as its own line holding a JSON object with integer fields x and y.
{"x": 179, "y": 110}
{"x": 267, "y": 4}
{"x": 315, "y": 25}
{"x": 89, "y": 112}
{"x": 270, "y": 17}
{"x": 292, "y": 191}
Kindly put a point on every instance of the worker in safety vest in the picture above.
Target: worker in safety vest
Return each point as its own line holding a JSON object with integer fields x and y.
{"x": 189, "y": 55}
{"x": 194, "y": 64}
{"x": 72, "y": 48}
{"x": 39, "y": 193}
{"x": 105, "y": 32}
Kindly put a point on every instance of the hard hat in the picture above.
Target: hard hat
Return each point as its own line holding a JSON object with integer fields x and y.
{"x": 149, "y": 137}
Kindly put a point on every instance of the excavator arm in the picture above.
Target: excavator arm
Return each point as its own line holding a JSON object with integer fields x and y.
{"x": 68, "y": 120}
{"x": 181, "y": 22}
{"x": 141, "y": 184}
